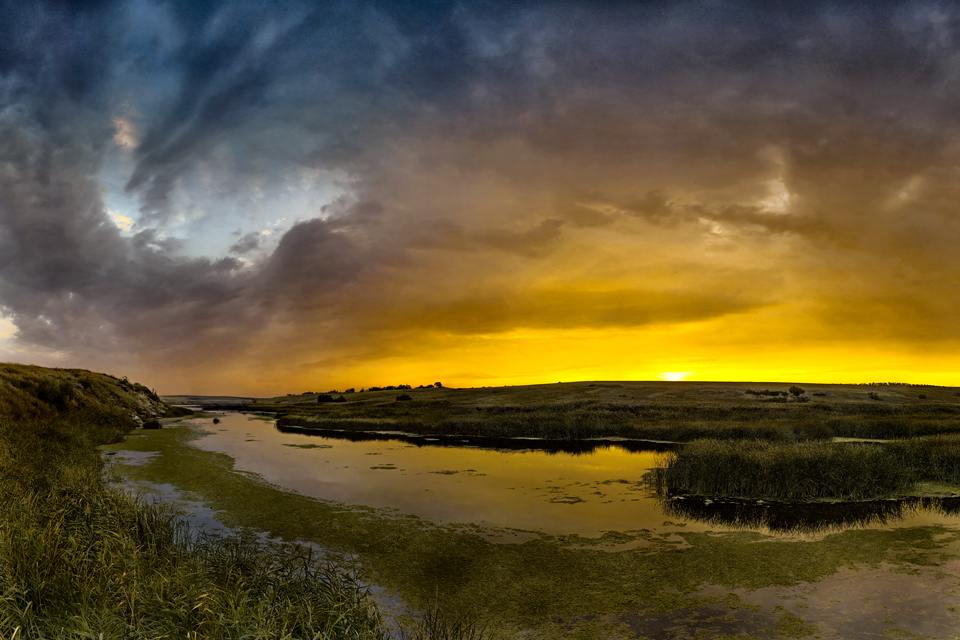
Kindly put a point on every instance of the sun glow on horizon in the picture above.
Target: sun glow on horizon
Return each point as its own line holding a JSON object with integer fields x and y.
{"x": 675, "y": 376}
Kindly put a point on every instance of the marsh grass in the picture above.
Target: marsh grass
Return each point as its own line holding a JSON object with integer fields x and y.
{"x": 89, "y": 562}
{"x": 586, "y": 412}
{"x": 797, "y": 517}
{"x": 435, "y": 624}
{"x": 808, "y": 470}
{"x": 550, "y": 422}
{"x": 798, "y": 471}
{"x": 79, "y": 559}
{"x": 933, "y": 458}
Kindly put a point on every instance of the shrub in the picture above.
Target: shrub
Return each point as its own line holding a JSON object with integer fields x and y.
{"x": 153, "y": 423}
{"x": 404, "y": 397}
{"x": 56, "y": 392}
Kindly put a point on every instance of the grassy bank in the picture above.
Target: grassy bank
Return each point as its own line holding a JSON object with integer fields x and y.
{"x": 679, "y": 412}
{"x": 644, "y": 583}
{"x": 812, "y": 470}
{"x": 81, "y": 560}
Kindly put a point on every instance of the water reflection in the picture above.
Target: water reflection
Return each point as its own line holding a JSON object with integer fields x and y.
{"x": 570, "y": 447}
{"x": 783, "y": 517}
{"x": 558, "y": 487}
{"x": 506, "y": 485}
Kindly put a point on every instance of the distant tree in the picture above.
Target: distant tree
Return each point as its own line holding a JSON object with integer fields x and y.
{"x": 324, "y": 397}
{"x": 796, "y": 391}
{"x": 438, "y": 385}
{"x": 350, "y": 390}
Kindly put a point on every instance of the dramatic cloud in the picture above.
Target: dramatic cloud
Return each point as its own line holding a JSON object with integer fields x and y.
{"x": 258, "y": 198}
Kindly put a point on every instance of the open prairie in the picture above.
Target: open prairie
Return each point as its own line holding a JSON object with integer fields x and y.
{"x": 670, "y": 411}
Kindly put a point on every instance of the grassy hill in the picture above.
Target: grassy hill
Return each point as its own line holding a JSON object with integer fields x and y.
{"x": 674, "y": 411}
{"x": 729, "y": 393}
{"x": 29, "y": 392}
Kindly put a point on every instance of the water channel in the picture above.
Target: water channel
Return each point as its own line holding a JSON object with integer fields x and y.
{"x": 509, "y": 491}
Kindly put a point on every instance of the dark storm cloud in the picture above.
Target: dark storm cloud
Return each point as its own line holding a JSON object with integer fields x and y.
{"x": 67, "y": 277}
{"x": 247, "y": 243}
{"x": 477, "y": 129}
{"x": 313, "y": 260}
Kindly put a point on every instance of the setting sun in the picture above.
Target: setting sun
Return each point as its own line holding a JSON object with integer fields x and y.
{"x": 675, "y": 376}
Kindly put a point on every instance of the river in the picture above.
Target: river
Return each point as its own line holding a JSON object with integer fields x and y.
{"x": 584, "y": 493}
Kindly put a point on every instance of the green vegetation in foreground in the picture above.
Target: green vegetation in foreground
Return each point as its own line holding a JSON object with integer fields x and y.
{"x": 674, "y": 411}
{"x": 81, "y": 560}
{"x": 551, "y": 586}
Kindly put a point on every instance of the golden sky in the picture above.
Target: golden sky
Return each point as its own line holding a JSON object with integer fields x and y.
{"x": 239, "y": 199}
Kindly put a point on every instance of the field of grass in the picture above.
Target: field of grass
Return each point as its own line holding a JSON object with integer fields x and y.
{"x": 79, "y": 559}
{"x": 679, "y": 412}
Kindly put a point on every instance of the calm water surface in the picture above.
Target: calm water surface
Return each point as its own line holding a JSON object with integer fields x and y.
{"x": 558, "y": 493}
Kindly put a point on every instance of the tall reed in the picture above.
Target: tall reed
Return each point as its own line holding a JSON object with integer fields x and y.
{"x": 797, "y": 471}
{"x": 79, "y": 559}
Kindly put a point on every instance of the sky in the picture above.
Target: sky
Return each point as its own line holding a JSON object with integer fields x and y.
{"x": 262, "y": 198}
